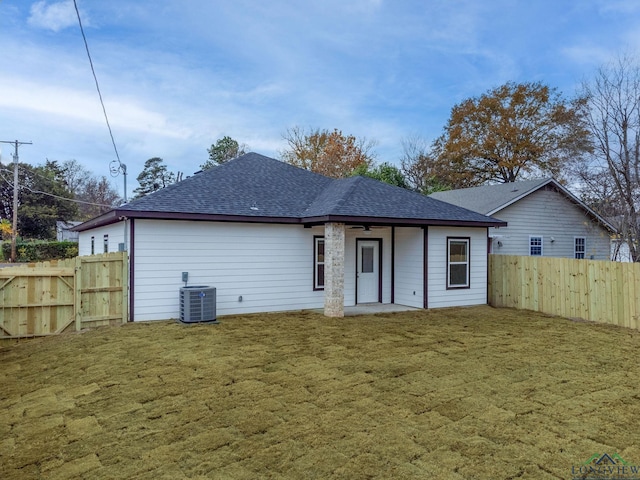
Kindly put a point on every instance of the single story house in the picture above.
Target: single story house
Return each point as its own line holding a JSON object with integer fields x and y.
{"x": 272, "y": 237}
{"x": 65, "y": 232}
{"x": 545, "y": 219}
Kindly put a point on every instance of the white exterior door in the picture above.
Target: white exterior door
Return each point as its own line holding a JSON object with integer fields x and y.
{"x": 368, "y": 271}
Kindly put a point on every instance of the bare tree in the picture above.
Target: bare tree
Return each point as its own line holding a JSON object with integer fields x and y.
{"x": 614, "y": 119}
{"x": 419, "y": 166}
{"x": 95, "y": 194}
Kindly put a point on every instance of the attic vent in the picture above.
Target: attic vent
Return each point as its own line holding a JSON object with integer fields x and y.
{"x": 197, "y": 304}
{"x": 514, "y": 190}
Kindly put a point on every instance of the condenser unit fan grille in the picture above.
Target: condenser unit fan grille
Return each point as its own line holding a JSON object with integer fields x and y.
{"x": 197, "y": 304}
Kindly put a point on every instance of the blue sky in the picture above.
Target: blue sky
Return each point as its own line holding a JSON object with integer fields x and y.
{"x": 176, "y": 75}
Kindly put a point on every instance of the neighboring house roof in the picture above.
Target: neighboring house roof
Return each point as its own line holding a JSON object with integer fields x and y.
{"x": 255, "y": 188}
{"x": 491, "y": 199}
{"x": 64, "y": 230}
{"x": 60, "y": 225}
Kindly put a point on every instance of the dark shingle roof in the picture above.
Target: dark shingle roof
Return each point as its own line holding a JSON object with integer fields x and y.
{"x": 258, "y": 188}
{"x": 489, "y": 199}
{"x": 251, "y": 185}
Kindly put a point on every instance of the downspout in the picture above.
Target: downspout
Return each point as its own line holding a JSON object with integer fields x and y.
{"x": 488, "y": 240}
{"x": 425, "y": 268}
{"x": 393, "y": 264}
{"x": 132, "y": 270}
{"x": 125, "y": 233}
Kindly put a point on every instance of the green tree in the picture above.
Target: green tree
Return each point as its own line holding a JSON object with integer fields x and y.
{"x": 44, "y": 199}
{"x": 5, "y": 229}
{"x": 513, "y": 131}
{"x": 330, "y": 153}
{"x": 225, "y": 149}
{"x": 154, "y": 176}
{"x": 385, "y": 172}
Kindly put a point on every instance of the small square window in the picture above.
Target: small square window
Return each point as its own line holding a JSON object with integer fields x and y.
{"x": 535, "y": 246}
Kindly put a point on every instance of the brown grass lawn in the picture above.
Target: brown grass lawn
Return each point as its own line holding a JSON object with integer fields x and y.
{"x": 456, "y": 393}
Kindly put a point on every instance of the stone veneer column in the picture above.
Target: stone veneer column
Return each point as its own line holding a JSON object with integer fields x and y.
{"x": 334, "y": 269}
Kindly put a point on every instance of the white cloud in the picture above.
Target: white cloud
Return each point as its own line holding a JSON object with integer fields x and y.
{"x": 54, "y": 16}
{"x": 42, "y": 99}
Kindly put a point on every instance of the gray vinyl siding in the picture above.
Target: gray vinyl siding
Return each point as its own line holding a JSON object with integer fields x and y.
{"x": 548, "y": 214}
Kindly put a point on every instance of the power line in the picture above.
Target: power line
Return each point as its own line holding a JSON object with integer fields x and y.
{"x": 66, "y": 198}
{"x": 51, "y": 194}
{"x": 95, "y": 78}
{"x": 121, "y": 166}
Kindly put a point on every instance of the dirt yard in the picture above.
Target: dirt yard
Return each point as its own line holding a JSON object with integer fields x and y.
{"x": 455, "y": 394}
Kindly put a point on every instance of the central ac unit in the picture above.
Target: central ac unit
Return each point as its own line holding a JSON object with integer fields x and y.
{"x": 198, "y": 304}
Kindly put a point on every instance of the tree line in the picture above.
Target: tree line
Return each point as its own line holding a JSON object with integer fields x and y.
{"x": 511, "y": 132}
{"x": 51, "y": 192}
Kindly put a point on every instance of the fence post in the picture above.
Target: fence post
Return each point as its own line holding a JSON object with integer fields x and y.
{"x": 77, "y": 293}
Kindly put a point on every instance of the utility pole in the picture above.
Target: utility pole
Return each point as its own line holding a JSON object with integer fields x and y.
{"x": 14, "y": 228}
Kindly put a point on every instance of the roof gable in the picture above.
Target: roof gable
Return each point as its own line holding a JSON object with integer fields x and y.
{"x": 491, "y": 199}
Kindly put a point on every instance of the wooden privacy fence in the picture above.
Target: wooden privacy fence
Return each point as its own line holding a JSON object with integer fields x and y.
{"x": 596, "y": 290}
{"x": 50, "y": 297}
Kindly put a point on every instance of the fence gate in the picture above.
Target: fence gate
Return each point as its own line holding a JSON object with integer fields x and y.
{"x": 50, "y": 297}
{"x": 36, "y": 301}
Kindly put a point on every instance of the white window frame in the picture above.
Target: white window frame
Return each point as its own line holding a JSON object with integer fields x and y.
{"x": 467, "y": 262}
{"x": 316, "y": 263}
{"x": 531, "y": 245}
{"x": 584, "y": 248}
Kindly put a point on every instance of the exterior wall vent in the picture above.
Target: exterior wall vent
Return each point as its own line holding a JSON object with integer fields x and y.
{"x": 198, "y": 304}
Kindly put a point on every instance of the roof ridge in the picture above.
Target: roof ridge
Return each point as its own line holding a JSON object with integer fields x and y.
{"x": 336, "y": 202}
{"x": 354, "y": 182}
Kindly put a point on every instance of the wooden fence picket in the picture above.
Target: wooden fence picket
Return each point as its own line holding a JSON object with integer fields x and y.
{"x": 47, "y": 298}
{"x": 595, "y": 290}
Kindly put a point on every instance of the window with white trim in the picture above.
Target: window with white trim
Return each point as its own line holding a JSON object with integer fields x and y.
{"x": 535, "y": 246}
{"x": 579, "y": 247}
{"x": 318, "y": 263}
{"x": 458, "y": 262}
